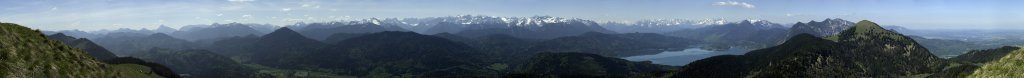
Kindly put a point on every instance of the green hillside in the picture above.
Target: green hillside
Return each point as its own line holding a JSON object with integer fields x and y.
{"x": 1007, "y": 67}
{"x": 26, "y": 53}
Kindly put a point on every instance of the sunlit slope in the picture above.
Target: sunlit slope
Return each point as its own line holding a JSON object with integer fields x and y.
{"x": 1010, "y": 66}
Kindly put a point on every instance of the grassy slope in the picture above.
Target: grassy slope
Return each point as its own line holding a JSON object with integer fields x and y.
{"x": 1010, "y": 66}
{"x": 26, "y": 53}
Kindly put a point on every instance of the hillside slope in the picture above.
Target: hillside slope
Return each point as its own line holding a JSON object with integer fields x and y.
{"x": 1006, "y": 67}
{"x": 25, "y": 53}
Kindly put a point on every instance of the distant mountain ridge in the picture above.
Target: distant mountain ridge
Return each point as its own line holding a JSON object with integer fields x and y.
{"x": 213, "y": 31}
{"x": 85, "y": 44}
{"x": 660, "y": 25}
{"x": 536, "y": 27}
{"x": 320, "y": 31}
{"x": 129, "y": 44}
{"x": 747, "y": 33}
{"x": 827, "y": 27}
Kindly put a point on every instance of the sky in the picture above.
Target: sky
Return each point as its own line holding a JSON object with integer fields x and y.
{"x": 113, "y": 14}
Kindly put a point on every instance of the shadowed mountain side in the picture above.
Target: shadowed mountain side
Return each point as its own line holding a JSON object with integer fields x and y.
{"x": 321, "y": 31}
{"x": 196, "y": 63}
{"x": 747, "y": 34}
{"x": 618, "y": 45}
{"x": 281, "y": 47}
{"x": 85, "y": 44}
{"x": 586, "y": 65}
{"x": 128, "y": 44}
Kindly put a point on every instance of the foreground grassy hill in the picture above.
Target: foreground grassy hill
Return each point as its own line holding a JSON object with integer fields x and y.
{"x": 27, "y": 53}
{"x": 1007, "y": 67}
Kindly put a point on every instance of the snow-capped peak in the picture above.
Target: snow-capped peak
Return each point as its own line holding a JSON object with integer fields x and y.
{"x": 532, "y": 21}
{"x": 374, "y": 21}
{"x": 672, "y": 23}
{"x": 719, "y": 21}
{"x": 760, "y": 22}
{"x": 510, "y": 21}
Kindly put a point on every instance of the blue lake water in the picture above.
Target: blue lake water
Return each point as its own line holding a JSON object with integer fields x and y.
{"x": 680, "y": 58}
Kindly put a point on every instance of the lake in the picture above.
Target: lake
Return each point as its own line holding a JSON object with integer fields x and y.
{"x": 680, "y": 58}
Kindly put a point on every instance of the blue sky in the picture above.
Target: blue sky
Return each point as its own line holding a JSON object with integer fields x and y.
{"x": 112, "y": 14}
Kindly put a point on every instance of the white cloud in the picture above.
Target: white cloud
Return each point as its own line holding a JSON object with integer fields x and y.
{"x": 788, "y": 14}
{"x": 734, "y": 3}
{"x": 310, "y": 6}
{"x": 307, "y": 5}
{"x": 286, "y": 9}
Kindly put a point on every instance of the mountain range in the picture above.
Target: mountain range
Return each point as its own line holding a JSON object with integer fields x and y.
{"x": 827, "y": 27}
{"x": 537, "y": 27}
{"x": 747, "y": 33}
{"x": 214, "y": 31}
{"x": 660, "y": 25}
{"x": 88, "y": 46}
{"x": 471, "y": 46}
{"x": 320, "y": 31}
{"x": 129, "y": 44}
